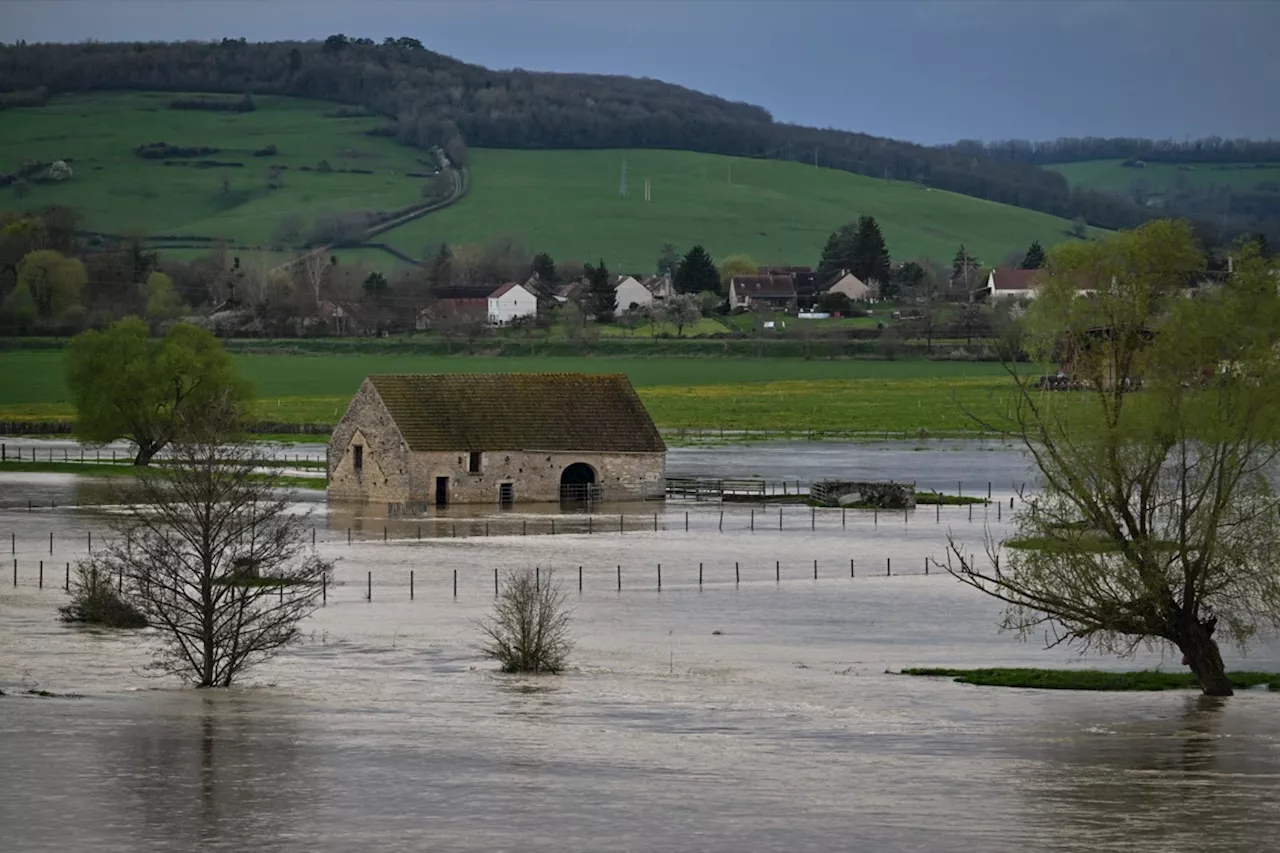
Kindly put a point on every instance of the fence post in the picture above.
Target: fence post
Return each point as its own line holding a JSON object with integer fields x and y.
{"x": 777, "y": 571}
{"x": 579, "y": 578}
{"x": 659, "y": 577}
{"x": 699, "y": 574}
{"x": 753, "y": 520}
{"x": 348, "y": 535}
{"x": 50, "y": 541}
{"x": 815, "y": 569}
{"x": 454, "y": 531}
{"x": 524, "y": 527}
{"x": 588, "y": 524}
{"x": 40, "y": 583}
{"x": 737, "y": 578}
{"x": 619, "y": 578}
{"x": 999, "y": 510}
{"x": 988, "y": 490}
{"x": 384, "y": 533}
{"x": 369, "y": 588}
{"x": 621, "y": 525}
{"x": 420, "y": 530}
{"x": 15, "y": 573}
{"x": 813, "y": 518}
{"x": 888, "y": 566}
{"x": 851, "y": 567}
{"x": 937, "y": 510}
{"x": 842, "y": 511}
{"x": 779, "y": 518}
{"x": 495, "y": 582}
{"x": 313, "y": 536}
{"x": 67, "y": 582}
{"x": 411, "y": 584}
{"x": 120, "y": 581}
{"x": 926, "y": 566}
{"x": 455, "y": 583}
{"x": 655, "y": 522}
{"x": 686, "y": 522}
{"x": 324, "y": 589}
{"x": 875, "y": 516}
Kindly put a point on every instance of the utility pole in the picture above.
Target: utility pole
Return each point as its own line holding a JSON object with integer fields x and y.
{"x": 622, "y": 188}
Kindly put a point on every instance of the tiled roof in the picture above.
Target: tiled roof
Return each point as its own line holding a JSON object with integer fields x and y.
{"x": 504, "y": 290}
{"x": 575, "y": 412}
{"x": 1009, "y": 279}
{"x": 764, "y": 286}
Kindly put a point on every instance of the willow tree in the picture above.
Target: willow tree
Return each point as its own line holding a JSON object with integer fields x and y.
{"x": 1157, "y": 518}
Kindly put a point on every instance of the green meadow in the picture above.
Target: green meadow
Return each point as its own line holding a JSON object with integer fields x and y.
{"x": 1111, "y": 176}
{"x": 699, "y": 393}
{"x": 563, "y": 202}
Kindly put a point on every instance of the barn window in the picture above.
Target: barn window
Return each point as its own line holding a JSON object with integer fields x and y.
{"x": 359, "y": 458}
{"x": 473, "y": 462}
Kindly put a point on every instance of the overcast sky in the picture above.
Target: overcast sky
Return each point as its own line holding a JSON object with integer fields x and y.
{"x": 930, "y": 71}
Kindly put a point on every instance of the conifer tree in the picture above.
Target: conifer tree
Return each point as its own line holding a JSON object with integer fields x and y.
{"x": 870, "y": 260}
{"x": 697, "y": 272}
{"x": 1034, "y": 258}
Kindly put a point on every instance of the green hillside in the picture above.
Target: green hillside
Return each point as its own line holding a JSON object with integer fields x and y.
{"x": 568, "y": 203}
{"x": 564, "y": 202}
{"x": 1110, "y": 176}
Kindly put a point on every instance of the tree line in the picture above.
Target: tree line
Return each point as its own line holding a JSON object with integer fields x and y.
{"x": 433, "y": 100}
{"x": 1210, "y": 149}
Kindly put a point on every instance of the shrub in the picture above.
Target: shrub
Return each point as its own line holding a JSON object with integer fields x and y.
{"x": 529, "y": 629}
{"x": 95, "y": 601}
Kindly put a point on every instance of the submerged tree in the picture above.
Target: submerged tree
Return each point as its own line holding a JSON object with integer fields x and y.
{"x": 1157, "y": 519}
{"x": 126, "y": 385}
{"x": 211, "y": 555}
{"x": 529, "y": 628}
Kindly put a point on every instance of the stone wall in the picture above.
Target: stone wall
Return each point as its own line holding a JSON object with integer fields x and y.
{"x": 534, "y": 475}
{"x": 385, "y": 470}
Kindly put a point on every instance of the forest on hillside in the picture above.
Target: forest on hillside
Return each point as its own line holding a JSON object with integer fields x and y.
{"x": 430, "y": 99}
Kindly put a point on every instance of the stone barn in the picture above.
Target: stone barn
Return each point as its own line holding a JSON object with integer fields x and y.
{"x": 496, "y": 438}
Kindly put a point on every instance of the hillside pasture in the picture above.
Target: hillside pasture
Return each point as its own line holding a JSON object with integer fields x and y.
{"x": 563, "y": 202}
{"x": 1159, "y": 178}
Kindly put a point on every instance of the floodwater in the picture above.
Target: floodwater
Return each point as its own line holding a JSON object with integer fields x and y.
{"x": 756, "y": 711}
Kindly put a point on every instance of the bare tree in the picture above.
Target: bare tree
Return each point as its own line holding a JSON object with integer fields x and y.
{"x": 529, "y": 628}
{"x": 314, "y": 265}
{"x": 209, "y": 552}
{"x": 1158, "y": 518}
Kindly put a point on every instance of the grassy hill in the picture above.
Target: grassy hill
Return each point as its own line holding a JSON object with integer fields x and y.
{"x": 568, "y": 203}
{"x": 564, "y": 202}
{"x": 1110, "y": 176}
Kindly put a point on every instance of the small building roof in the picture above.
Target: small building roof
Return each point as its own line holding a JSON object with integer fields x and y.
{"x": 463, "y": 292}
{"x": 504, "y": 290}
{"x": 764, "y": 286}
{"x": 574, "y": 412}
{"x": 1011, "y": 279}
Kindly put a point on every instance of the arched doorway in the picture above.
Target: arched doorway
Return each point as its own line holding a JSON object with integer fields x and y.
{"x": 578, "y": 483}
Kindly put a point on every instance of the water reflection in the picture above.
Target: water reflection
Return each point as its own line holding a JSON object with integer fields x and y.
{"x": 1170, "y": 781}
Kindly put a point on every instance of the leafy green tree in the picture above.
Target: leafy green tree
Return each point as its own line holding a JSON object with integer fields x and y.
{"x": 1158, "y": 518}
{"x": 602, "y": 297}
{"x": 1079, "y": 227}
{"x": 55, "y": 282}
{"x": 162, "y": 302}
{"x": 1034, "y": 258}
{"x": 870, "y": 260}
{"x": 834, "y": 303}
{"x": 697, "y": 272}
{"x": 126, "y": 385}
{"x": 838, "y": 253}
{"x": 375, "y": 285}
{"x": 668, "y": 259}
{"x": 906, "y": 279}
{"x": 736, "y": 265}
{"x": 545, "y": 267}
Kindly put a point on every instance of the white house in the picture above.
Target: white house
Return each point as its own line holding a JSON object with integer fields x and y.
{"x": 850, "y": 285}
{"x": 1009, "y": 284}
{"x": 660, "y": 286}
{"x": 631, "y": 292}
{"x": 510, "y": 301}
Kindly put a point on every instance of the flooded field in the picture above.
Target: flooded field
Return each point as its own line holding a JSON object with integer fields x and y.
{"x": 756, "y": 711}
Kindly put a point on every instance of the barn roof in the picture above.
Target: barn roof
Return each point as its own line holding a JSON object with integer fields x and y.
{"x": 519, "y": 411}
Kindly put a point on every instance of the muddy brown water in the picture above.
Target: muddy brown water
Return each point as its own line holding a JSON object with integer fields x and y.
{"x": 755, "y": 714}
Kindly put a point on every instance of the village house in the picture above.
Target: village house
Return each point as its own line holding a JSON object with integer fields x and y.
{"x": 660, "y": 286}
{"x": 1006, "y": 283}
{"x": 510, "y": 302}
{"x": 775, "y": 292}
{"x": 850, "y": 285}
{"x": 631, "y": 293}
{"x": 803, "y": 279}
{"x": 497, "y": 439}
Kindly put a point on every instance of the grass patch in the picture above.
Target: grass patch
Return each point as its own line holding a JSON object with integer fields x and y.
{"x": 1091, "y": 679}
{"x": 1160, "y": 178}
